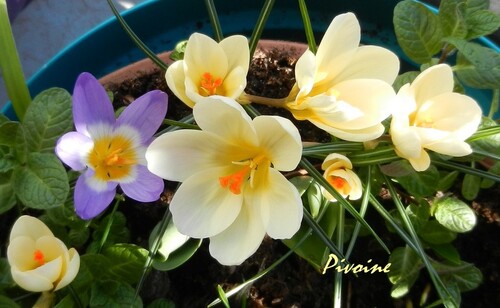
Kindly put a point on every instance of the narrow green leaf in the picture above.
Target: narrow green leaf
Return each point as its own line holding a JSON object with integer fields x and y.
{"x": 481, "y": 23}
{"x": 127, "y": 261}
{"x": 471, "y": 186}
{"x": 434, "y": 233}
{"x": 477, "y": 66}
{"x": 417, "y": 30}
{"x": 454, "y": 214}
{"x": 42, "y": 183}
{"x": 222, "y": 296}
{"x": 113, "y": 293}
{"x": 47, "y": 118}
{"x": 452, "y": 18}
{"x": 490, "y": 144}
{"x": 405, "y": 268}
{"x": 118, "y": 233}
{"x": 179, "y": 256}
{"x": 170, "y": 240}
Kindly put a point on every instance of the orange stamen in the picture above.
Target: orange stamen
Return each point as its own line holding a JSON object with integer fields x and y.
{"x": 209, "y": 84}
{"x": 340, "y": 184}
{"x": 39, "y": 257}
{"x": 235, "y": 180}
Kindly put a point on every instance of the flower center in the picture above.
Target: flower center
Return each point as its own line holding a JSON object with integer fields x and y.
{"x": 112, "y": 157}
{"x": 340, "y": 184}
{"x": 39, "y": 257}
{"x": 235, "y": 180}
{"x": 209, "y": 84}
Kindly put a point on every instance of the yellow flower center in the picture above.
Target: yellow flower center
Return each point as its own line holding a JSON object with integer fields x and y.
{"x": 340, "y": 184}
{"x": 209, "y": 84}
{"x": 38, "y": 257}
{"x": 235, "y": 180}
{"x": 426, "y": 123}
{"x": 112, "y": 158}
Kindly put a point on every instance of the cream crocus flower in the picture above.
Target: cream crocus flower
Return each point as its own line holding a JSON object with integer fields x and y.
{"x": 338, "y": 172}
{"x": 39, "y": 261}
{"x": 232, "y": 190}
{"x": 210, "y": 68}
{"x": 429, "y": 115}
{"x": 345, "y": 89}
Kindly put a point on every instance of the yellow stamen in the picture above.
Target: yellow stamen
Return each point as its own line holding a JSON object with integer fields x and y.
{"x": 39, "y": 257}
{"x": 235, "y": 181}
{"x": 209, "y": 84}
{"x": 112, "y": 158}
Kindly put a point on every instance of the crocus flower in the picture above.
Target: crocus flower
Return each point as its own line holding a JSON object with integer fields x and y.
{"x": 38, "y": 260}
{"x": 232, "y": 190}
{"x": 345, "y": 89}
{"x": 110, "y": 151}
{"x": 210, "y": 68}
{"x": 429, "y": 115}
{"x": 338, "y": 172}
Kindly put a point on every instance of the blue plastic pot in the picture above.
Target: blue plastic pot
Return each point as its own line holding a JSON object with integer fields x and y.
{"x": 162, "y": 23}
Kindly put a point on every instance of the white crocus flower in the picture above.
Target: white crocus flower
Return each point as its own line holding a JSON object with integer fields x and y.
{"x": 338, "y": 172}
{"x": 39, "y": 261}
{"x": 232, "y": 190}
{"x": 345, "y": 89}
{"x": 429, "y": 115}
{"x": 210, "y": 68}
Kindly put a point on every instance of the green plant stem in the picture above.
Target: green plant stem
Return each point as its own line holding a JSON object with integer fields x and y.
{"x": 374, "y": 157}
{"x": 259, "y": 26}
{"x": 10, "y": 66}
{"x": 337, "y": 284}
{"x": 75, "y": 296}
{"x": 316, "y": 228}
{"x": 180, "y": 124}
{"x": 484, "y": 133}
{"x": 495, "y": 103}
{"x": 466, "y": 169}
{"x": 333, "y": 147}
{"x": 214, "y": 20}
{"x": 311, "y": 42}
{"x": 137, "y": 41}
{"x": 187, "y": 120}
{"x": 444, "y": 294}
{"x": 118, "y": 199}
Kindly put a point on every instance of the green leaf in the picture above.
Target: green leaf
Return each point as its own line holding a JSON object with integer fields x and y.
{"x": 398, "y": 168}
{"x": 446, "y": 180}
{"x": 454, "y": 214}
{"x": 481, "y": 23}
{"x": 7, "y": 131}
{"x": 42, "y": 183}
{"x": 452, "y": 18}
{"x": 477, "y": 66}
{"x": 47, "y": 118}
{"x": 118, "y": 233}
{"x": 161, "y": 303}
{"x": 405, "y": 267}
{"x": 222, "y": 296}
{"x": 471, "y": 186}
{"x": 417, "y": 30}
{"x": 447, "y": 251}
{"x": 179, "y": 50}
{"x": 5, "y": 276}
{"x": 6, "y": 302}
{"x": 179, "y": 256}
{"x": 418, "y": 214}
{"x": 113, "y": 293}
{"x": 435, "y": 233}
{"x": 127, "y": 261}
{"x": 302, "y": 183}
{"x": 7, "y": 161}
{"x": 170, "y": 240}
{"x": 403, "y": 79}
{"x": 20, "y": 146}
{"x": 420, "y": 184}
{"x": 466, "y": 275}
{"x": 489, "y": 145}
{"x": 475, "y": 5}
{"x": 7, "y": 195}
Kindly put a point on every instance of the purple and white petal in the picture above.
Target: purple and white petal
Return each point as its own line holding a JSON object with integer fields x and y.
{"x": 72, "y": 148}
{"x": 145, "y": 114}
{"x": 89, "y": 202}
{"x": 91, "y": 104}
{"x": 147, "y": 187}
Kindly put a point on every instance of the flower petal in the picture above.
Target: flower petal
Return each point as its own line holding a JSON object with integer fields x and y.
{"x": 20, "y": 252}
{"x": 371, "y": 62}
{"x": 422, "y": 162}
{"x": 31, "y": 281}
{"x": 340, "y": 41}
{"x": 147, "y": 187}
{"x": 88, "y": 202}
{"x": 71, "y": 269}
{"x": 91, "y": 104}
{"x": 227, "y": 119}
{"x": 451, "y": 147}
{"x": 305, "y": 68}
{"x": 145, "y": 114}
{"x": 177, "y": 155}
{"x": 357, "y": 135}
{"x": 176, "y": 78}
{"x": 203, "y": 55}
{"x": 201, "y": 207}
{"x": 235, "y": 82}
{"x": 29, "y": 226}
{"x": 237, "y": 51}
{"x": 72, "y": 148}
{"x": 280, "y": 205}
{"x": 241, "y": 239}
{"x": 433, "y": 81}
{"x": 283, "y": 145}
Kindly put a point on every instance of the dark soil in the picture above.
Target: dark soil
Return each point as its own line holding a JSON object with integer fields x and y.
{"x": 294, "y": 283}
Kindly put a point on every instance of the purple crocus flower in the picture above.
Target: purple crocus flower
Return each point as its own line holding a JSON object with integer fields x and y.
{"x": 110, "y": 151}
